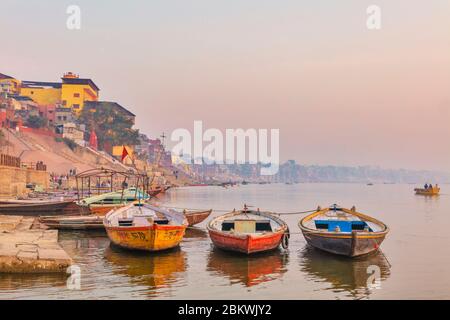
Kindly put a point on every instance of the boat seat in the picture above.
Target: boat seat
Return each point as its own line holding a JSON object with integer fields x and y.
{"x": 161, "y": 221}
{"x": 342, "y": 225}
{"x": 247, "y": 226}
{"x": 125, "y": 222}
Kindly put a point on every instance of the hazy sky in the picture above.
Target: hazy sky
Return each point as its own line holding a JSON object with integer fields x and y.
{"x": 339, "y": 93}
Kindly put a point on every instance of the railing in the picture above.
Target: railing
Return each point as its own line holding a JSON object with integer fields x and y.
{"x": 10, "y": 161}
{"x": 39, "y": 166}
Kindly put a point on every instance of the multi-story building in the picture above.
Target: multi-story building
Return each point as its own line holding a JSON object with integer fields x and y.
{"x": 157, "y": 153}
{"x": 74, "y": 132}
{"x": 64, "y": 115}
{"x": 76, "y": 91}
{"x": 9, "y": 84}
{"x": 142, "y": 148}
{"x": 72, "y": 92}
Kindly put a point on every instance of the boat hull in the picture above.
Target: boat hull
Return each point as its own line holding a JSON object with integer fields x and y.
{"x": 153, "y": 238}
{"x": 427, "y": 192}
{"x": 350, "y": 245}
{"x": 34, "y": 209}
{"x": 247, "y": 244}
{"x": 73, "y": 222}
{"x": 194, "y": 218}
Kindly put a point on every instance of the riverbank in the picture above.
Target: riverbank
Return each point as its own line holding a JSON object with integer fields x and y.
{"x": 24, "y": 249}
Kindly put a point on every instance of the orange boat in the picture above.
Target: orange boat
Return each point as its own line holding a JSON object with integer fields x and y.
{"x": 145, "y": 227}
{"x": 248, "y": 231}
{"x": 430, "y": 191}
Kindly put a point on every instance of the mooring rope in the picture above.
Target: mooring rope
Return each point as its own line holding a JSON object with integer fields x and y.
{"x": 224, "y": 210}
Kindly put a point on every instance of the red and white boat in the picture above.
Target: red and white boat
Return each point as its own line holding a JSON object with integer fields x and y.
{"x": 248, "y": 231}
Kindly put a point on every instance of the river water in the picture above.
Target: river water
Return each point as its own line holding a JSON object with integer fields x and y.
{"x": 414, "y": 262}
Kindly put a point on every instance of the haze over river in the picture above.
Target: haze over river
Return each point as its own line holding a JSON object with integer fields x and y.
{"x": 414, "y": 263}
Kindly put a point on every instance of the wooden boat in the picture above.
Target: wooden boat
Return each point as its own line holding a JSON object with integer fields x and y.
{"x": 103, "y": 203}
{"x": 433, "y": 191}
{"x": 145, "y": 227}
{"x": 248, "y": 231}
{"x": 33, "y": 207}
{"x": 195, "y": 217}
{"x": 90, "y": 222}
{"x": 343, "y": 232}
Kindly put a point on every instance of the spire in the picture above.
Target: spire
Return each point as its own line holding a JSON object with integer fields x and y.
{"x": 93, "y": 143}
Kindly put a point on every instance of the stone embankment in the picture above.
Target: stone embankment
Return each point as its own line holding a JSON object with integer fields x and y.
{"x": 27, "y": 250}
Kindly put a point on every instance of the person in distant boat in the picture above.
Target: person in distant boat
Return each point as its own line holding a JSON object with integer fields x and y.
{"x": 426, "y": 186}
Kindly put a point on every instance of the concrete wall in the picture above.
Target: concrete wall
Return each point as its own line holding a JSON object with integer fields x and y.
{"x": 13, "y": 180}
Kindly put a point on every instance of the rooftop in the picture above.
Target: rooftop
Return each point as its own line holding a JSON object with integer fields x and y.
{"x": 4, "y": 76}
{"x": 80, "y": 81}
{"x": 40, "y": 84}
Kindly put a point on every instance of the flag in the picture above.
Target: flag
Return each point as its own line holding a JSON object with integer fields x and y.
{"x": 124, "y": 153}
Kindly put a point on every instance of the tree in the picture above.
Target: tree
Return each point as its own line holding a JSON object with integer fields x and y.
{"x": 36, "y": 122}
{"x": 112, "y": 127}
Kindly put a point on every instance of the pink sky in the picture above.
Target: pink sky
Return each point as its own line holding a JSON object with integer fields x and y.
{"x": 339, "y": 93}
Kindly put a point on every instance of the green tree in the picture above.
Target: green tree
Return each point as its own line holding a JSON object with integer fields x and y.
{"x": 36, "y": 122}
{"x": 112, "y": 128}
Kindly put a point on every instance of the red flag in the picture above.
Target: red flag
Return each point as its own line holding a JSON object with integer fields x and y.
{"x": 124, "y": 153}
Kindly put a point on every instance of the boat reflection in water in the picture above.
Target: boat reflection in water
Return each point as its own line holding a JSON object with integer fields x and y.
{"x": 343, "y": 274}
{"x": 9, "y": 283}
{"x": 193, "y": 233}
{"x": 155, "y": 271}
{"x": 248, "y": 270}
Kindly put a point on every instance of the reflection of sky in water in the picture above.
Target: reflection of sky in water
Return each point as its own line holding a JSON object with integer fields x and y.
{"x": 196, "y": 271}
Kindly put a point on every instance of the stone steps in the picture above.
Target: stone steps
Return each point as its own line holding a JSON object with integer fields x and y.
{"x": 26, "y": 250}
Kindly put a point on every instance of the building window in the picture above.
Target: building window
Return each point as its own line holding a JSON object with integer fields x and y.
{"x": 76, "y": 95}
{"x": 32, "y": 92}
{"x": 76, "y": 106}
{"x": 64, "y": 102}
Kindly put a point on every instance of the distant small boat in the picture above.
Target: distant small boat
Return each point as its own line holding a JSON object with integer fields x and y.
{"x": 433, "y": 191}
{"x": 145, "y": 227}
{"x": 195, "y": 217}
{"x": 370, "y": 184}
{"x": 248, "y": 231}
{"x": 33, "y": 207}
{"x": 343, "y": 231}
{"x": 90, "y": 222}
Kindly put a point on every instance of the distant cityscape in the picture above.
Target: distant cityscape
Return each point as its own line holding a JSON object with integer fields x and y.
{"x": 292, "y": 172}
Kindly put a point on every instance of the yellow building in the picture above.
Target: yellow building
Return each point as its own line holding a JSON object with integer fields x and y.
{"x": 75, "y": 91}
{"x": 8, "y": 84}
{"x": 43, "y": 93}
{"x": 72, "y": 92}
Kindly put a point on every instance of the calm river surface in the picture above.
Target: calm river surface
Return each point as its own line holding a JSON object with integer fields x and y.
{"x": 415, "y": 263}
